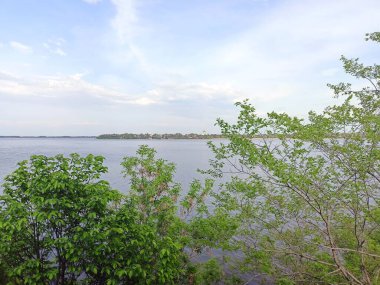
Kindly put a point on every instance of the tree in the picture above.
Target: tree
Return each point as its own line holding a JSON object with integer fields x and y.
{"x": 175, "y": 216}
{"x": 152, "y": 187}
{"x": 155, "y": 194}
{"x": 307, "y": 192}
{"x": 183, "y": 218}
{"x": 61, "y": 224}
{"x": 47, "y": 203}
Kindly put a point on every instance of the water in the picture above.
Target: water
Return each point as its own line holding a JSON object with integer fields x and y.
{"x": 188, "y": 155}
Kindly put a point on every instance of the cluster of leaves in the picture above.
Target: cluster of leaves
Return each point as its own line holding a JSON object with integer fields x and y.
{"x": 185, "y": 219}
{"x": 308, "y": 201}
{"x": 61, "y": 224}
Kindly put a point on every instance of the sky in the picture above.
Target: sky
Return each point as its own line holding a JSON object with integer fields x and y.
{"x": 88, "y": 67}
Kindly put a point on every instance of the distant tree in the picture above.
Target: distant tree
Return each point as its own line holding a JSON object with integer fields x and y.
{"x": 307, "y": 201}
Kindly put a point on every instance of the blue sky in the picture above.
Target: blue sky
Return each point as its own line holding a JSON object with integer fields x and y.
{"x": 86, "y": 67}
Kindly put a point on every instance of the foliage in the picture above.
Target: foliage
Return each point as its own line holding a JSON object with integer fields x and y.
{"x": 61, "y": 224}
{"x": 210, "y": 272}
{"x": 41, "y": 223}
{"x": 308, "y": 201}
{"x": 185, "y": 220}
{"x": 152, "y": 188}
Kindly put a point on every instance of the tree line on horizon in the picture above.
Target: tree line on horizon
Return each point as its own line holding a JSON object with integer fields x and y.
{"x": 159, "y": 136}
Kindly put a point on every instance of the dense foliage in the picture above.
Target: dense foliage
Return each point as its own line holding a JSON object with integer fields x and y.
{"x": 61, "y": 224}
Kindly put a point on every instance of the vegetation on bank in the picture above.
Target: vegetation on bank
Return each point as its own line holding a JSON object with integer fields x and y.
{"x": 176, "y": 136}
{"x": 192, "y": 136}
{"x": 301, "y": 209}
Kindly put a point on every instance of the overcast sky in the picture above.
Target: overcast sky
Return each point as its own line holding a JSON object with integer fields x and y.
{"x": 86, "y": 67}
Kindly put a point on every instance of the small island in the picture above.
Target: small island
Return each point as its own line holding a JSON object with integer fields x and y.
{"x": 130, "y": 136}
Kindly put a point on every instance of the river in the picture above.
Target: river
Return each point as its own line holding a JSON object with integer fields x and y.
{"x": 188, "y": 155}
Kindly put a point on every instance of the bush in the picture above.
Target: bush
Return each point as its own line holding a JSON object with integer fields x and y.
{"x": 62, "y": 224}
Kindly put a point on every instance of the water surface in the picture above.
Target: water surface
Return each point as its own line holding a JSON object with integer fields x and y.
{"x": 188, "y": 155}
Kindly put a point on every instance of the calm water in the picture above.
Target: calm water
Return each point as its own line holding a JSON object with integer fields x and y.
{"x": 188, "y": 155}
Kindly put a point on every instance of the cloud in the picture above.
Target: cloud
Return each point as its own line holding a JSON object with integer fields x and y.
{"x": 125, "y": 19}
{"x": 285, "y": 53}
{"x": 60, "y": 52}
{"x": 290, "y": 50}
{"x": 21, "y": 47}
{"x": 126, "y": 29}
{"x": 6, "y": 75}
{"x": 193, "y": 92}
{"x": 299, "y": 35}
{"x": 47, "y": 123}
{"x": 54, "y": 46}
{"x": 75, "y": 86}
{"x": 55, "y": 86}
{"x": 92, "y": 1}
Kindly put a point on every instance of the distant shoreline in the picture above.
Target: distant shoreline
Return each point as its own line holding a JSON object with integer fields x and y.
{"x": 176, "y": 136}
{"x": 147, "y": 136}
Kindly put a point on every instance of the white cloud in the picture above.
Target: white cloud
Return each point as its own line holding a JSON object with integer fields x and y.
{"x": 298, "y": 35}
{"x": 57, "y": 41}
{"x": 194, "y": 92}
{"x": 54, "y": 86}
{"x": 60, "y": 52}
{"x": 47, "y": 123}
{"x": 92, "y": 1}
{"x": 281, "y": 55}
{"x": 21, "y": 47}
{"x": 54, "y": 46}
{"x": 75, "y": 85}
{"x": 289, "y": 51}
{"x": 125, "y": 19}
{"x": 4, "y": 75}
{"x": 126, "y": 29}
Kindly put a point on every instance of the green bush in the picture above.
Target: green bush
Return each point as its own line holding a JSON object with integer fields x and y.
{"x": 62, "y": 224}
